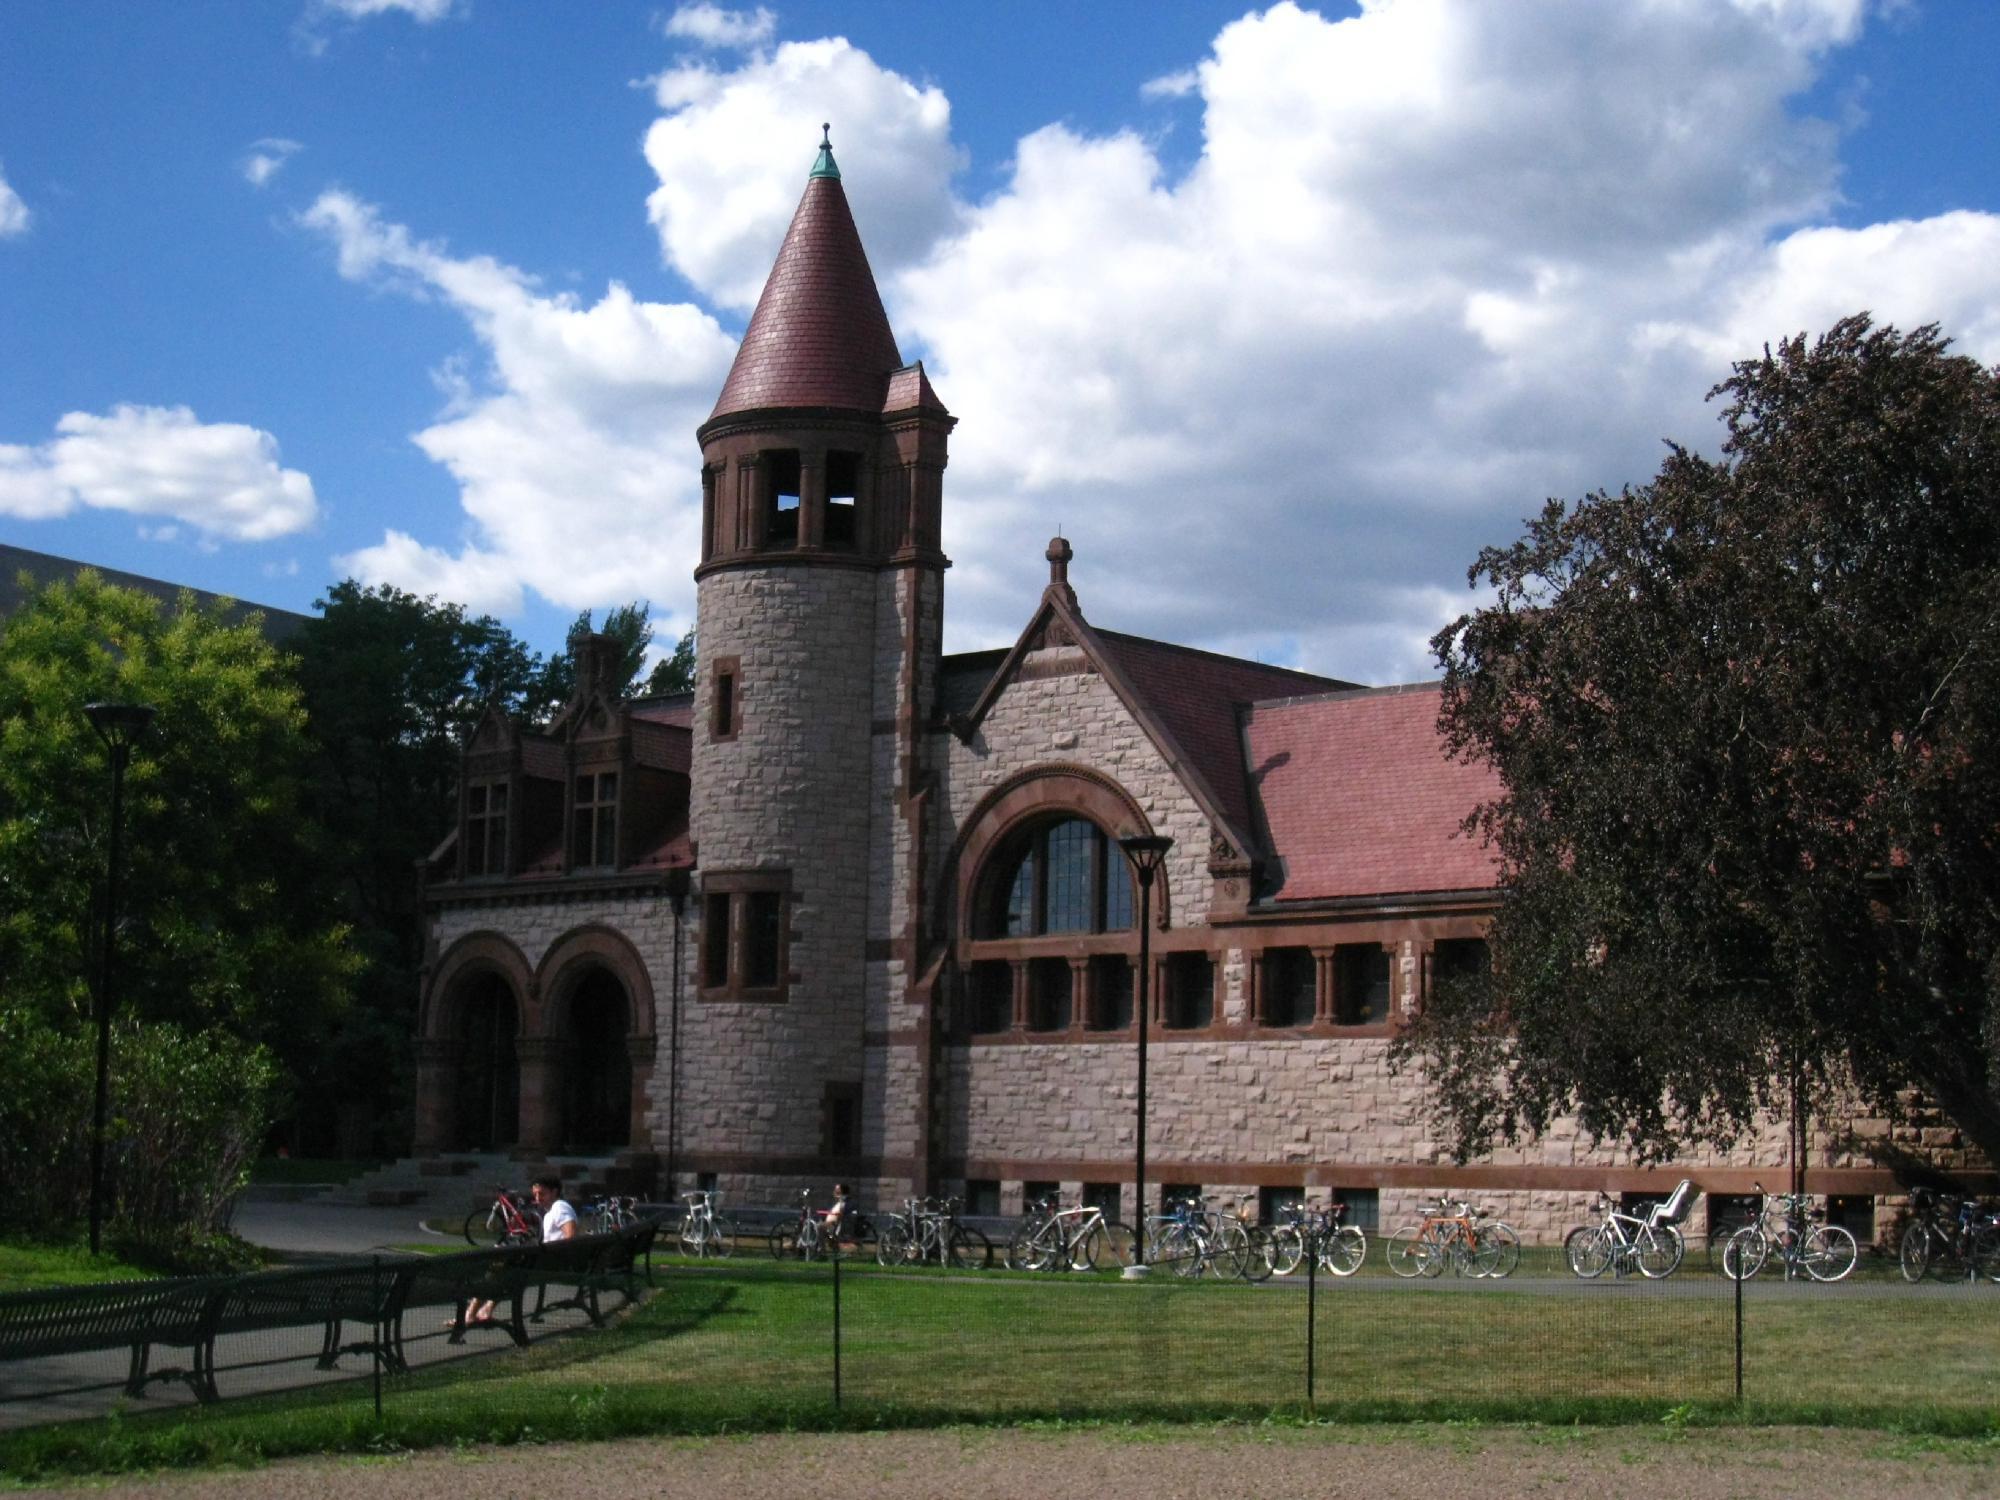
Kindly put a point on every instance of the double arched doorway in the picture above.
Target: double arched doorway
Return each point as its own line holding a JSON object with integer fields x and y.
{"x": 555, "y": 1059}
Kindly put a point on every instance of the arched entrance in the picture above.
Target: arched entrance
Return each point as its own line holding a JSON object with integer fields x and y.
{"x": 486, "y": 1111}
{"x": 597, "y": 1114}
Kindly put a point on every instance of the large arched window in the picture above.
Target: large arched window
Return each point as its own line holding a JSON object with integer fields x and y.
{"x": 1059, "y": 875}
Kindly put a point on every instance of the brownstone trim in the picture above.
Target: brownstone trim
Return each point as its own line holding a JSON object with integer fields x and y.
{"x": 1058, "y": 788}
{"x": 479, "y": 952}
{"x": 581, "y": 948}
{"x": 736, "y": 886}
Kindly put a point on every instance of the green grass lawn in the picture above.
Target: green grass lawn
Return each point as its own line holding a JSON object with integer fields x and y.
{"x": 295, "y": 1171}
{"x": 749, "y": 1345}
{"x": 38, "y": 1263}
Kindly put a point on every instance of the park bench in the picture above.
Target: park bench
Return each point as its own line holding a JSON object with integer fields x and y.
{"x": 326, "y": 1297}
{"x": 134, "y": 1315}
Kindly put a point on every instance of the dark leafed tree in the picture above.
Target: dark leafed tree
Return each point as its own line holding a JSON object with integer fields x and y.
{"x": 674, "y": 673}
{"x": 392, "y": 683}
{"x": 629, "y": 625}
{"x": 1746, "y": 720}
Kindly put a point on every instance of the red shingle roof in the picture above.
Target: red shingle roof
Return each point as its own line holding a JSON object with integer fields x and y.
{"x": 1359, "y": 799}
{"x": 1195, "y": 695}
{"x": 819, "y": 336}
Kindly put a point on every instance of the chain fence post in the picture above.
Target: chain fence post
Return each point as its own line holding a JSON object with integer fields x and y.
{"x": 1312, "y": 1309}
{"x": 375, "y": 1307}
{"x": 834, "y": 1255}
{"x": 1739, "y": 1331}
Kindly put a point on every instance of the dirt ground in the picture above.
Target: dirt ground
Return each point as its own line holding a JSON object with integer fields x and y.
{"x": 1156, "y": 1463}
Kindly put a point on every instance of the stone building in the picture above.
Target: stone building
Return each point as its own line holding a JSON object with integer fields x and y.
{"x": 858, "y": 909}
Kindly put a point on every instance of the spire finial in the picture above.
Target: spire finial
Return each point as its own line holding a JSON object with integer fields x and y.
{"x": 825, "y": 167}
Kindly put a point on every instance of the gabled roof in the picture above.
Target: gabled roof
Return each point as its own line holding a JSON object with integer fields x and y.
{"x": 819, "y": 336}
{"x": 1357, "y": 797}
{"x": 1185, "y": 700}
{"x": 1197, "y": 696}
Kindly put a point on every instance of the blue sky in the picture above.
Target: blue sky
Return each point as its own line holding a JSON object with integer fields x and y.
{"x": 1278, "y": 314}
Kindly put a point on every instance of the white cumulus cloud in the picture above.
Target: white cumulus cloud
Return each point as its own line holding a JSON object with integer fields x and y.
{"x": 14, "y": 215}
{"x": 266, "y": 158}
{"x": 570, "y": 435}
{"x": 732, "y": 149}
{"x": 221, "y": 478}
{"x": 1434, "y": 263}
{"x": 712, "y": 26}
{"x": 423, "y": 12}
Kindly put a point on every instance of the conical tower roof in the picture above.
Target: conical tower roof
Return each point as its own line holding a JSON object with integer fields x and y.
{"x": 819, "y": 336}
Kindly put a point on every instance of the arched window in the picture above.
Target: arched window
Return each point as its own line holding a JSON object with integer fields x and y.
{"x": 1061, "y": 875}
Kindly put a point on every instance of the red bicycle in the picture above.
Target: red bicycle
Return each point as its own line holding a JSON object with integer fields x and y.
{"x": 512, "y": 1220}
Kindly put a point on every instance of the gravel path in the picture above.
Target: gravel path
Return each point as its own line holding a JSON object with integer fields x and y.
{"x": 1157, "y": 1463}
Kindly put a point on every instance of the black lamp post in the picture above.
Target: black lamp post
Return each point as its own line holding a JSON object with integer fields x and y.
{"x": 1146, "y": 852}
{"x": 118, "y": 725}
{"x": 677, "y": 893}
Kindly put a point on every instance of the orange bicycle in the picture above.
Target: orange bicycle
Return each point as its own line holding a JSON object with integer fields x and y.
{"x": 1453, "y": 1234}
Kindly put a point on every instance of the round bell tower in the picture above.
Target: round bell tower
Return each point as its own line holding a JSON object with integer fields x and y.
{"x": 819, "y": 599}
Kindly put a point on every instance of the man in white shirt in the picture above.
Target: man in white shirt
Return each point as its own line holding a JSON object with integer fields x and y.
{"x": 558, "y": 1218}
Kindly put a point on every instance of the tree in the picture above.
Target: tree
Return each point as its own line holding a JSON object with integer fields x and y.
{"x": 392, "y": 685}
{"x": 674, "y": 673}
{"x": 630, "y": 625}
{"x": 1746, "y": 720}
{"x": 224, "y": 917}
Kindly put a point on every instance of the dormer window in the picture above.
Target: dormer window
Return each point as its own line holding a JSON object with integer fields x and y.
{"x": 843, "y": 491}
{"x": 486, "y": 828}
{"x": 782, "y": 489}
{"x": 595, "y": 839}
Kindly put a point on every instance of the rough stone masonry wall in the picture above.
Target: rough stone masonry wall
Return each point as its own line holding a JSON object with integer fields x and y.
{"x": 785, "y": 793}
{"x": 1232, "y": 1113}
{"x": 909, "y": 610}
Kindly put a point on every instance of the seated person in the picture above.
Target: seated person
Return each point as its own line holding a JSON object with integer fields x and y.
{"x": 558, "y": 1223}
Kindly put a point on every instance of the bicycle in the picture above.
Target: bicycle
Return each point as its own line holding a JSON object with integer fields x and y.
{"x": 1338, "y": 1248}
{"x": 1824, "y": 1252}
{"x": 1193, "y": 1239}
{"x": 1619, "y": 1242}
{"x": 608, "y": 1215}
{"x": 510, "y": 1220}
{"x": 1949, "y": 1236}
{"x": 930, "y": 1229}
{"x": 1052, "y": 1238}
{"x": 1453, "y": 1234}
{"x": 704, "y": 1232}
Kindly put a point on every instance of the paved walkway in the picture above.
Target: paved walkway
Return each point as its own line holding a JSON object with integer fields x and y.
{"x": 313, "y": 1230}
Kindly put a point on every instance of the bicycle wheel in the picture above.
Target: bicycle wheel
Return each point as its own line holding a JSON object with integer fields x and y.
{"x": 1257, "y": 1258}
{"x": 1499, "y": 1249}
{"x": 1118, "y": 1243}
{"x": 1086, "y": 1248}
{"x": 1185, "y": 1252}
{"x": 1229, "y": 1249}
{"x": 1745, "y": 1253}
{"x": 783, "y": 1239}
{"x": 1288, "y": 1249}
{"x": 1020, "y": 1246}
{"x": 694, "y": 1236}
{"x": 1408, "y": 1253}
{"x": 1657, "y": 1251}
{"x": 892, "y": 1243}
{"x": 969, "y": 1250}
{"x": 1986, "y": 1252}
{"x": 721, "y": 1238}
{"x": 484, "y": 1228}
{"x": 1588, "y": 1250}
{"x": 1829, "y": 1253}
{"x": 1342, "y": 1252}
{"x": 1914, "y": 1253}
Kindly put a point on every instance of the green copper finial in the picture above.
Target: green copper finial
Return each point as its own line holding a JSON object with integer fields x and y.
{"x": 825, "y": 166}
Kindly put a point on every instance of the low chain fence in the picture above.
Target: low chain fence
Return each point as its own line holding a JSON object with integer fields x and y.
{"x": 614, "y": 1333}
